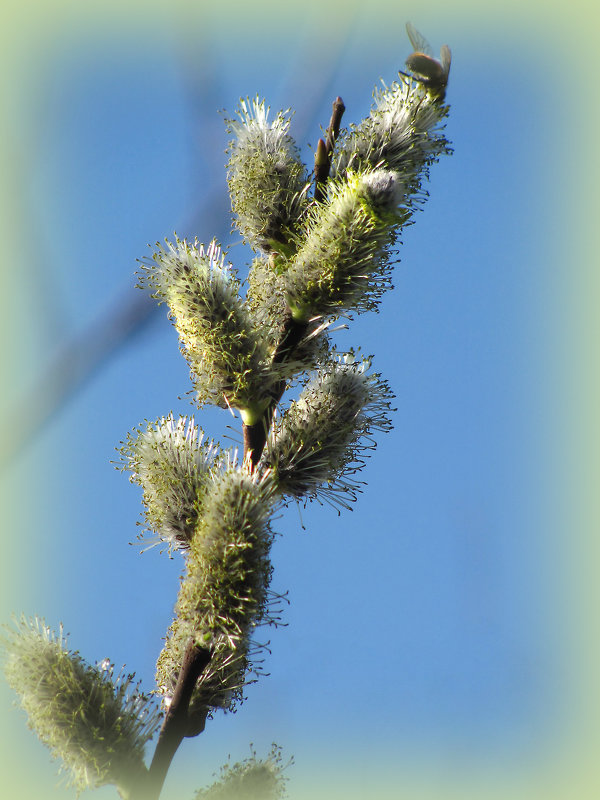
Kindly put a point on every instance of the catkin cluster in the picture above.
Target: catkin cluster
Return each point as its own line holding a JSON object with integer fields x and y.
{"x": 318, "y": 256}
{"x": 315, "y": 260}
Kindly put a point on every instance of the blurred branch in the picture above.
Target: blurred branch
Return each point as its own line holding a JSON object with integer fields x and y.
{"x": 74, "y": 365}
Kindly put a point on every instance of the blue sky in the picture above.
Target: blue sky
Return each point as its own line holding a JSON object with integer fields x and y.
{"x": 421, "y": 628}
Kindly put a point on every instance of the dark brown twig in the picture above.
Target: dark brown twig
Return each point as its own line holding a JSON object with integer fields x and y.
{"x": 176, "y": 723}
{"x": 321, "y": 171}
{"x": 325, "y": 149}
{"x": 255, "y": 436}
{"x": 333, "y": 130}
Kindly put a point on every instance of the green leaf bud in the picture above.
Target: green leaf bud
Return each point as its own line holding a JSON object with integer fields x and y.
{"x": 267, "y": 180}
{"x": 225, "y": 351}
{"x": 170, "y": 460}
{"x": 343, "y": 263}
{"x": 95, "y": 722}
{"x": 323, "y": 438}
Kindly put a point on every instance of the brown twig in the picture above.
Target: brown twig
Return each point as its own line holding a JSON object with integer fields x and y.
{"x": 325, "y": 149}
{"x": 255, "y": 436}
{"x": 333, "y": 130}
{"x": 321, "y": 171}
{"x": 176, "y": 725}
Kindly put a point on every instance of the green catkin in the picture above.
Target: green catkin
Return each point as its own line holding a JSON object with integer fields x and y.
{"x": 171, "y": 461}
{"x": 227, "y": 355}
{"x": 321, "y": 442}
{"x": 403, "y": 133}
{"x": 224, "y": 594}
{"x": 343, "y": 263}
{"x": 250, "y": 779}
{"x": 96, "y": 723}
{"x": 267, "y": 180}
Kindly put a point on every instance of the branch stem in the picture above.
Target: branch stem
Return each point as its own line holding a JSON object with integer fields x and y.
{"x": 255, "y": 436}
{"x": 176, "y": 723}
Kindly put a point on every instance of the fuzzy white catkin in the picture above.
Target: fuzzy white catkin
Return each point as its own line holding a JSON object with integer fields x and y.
{"x": 267, "y": 180}
{"x": 321, "y": 441}
{"x": 224, "y": 594}
{"x": 228, "y": 357}
{"x": 96, "y": 723}
{"x": 250, "y": 779}
{"x": 403, "y": 133}
{"x": 343, "y": 262}
{"x": 170, "y": 460}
